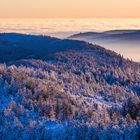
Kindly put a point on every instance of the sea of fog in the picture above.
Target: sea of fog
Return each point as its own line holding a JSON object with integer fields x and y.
{"x": 63, "y": 28}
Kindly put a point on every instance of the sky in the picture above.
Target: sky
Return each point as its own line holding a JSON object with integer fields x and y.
{"x": 69, "y": 8}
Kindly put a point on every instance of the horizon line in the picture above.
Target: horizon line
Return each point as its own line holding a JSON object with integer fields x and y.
{"x": 69, "y": 18}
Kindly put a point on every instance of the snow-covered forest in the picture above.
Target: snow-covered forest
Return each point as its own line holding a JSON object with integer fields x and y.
{"x": 70, "y": 91}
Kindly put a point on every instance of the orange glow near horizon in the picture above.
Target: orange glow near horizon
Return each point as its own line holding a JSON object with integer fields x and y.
{"x": 69, "y": 8}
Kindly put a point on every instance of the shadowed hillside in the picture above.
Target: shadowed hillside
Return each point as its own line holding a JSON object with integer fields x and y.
{"x": 18, "y": 46}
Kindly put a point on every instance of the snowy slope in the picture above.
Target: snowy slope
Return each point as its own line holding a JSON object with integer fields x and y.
{"x": 83, "y": 92}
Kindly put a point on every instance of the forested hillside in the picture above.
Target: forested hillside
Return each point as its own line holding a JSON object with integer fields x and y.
{"x": 84, "y": 92}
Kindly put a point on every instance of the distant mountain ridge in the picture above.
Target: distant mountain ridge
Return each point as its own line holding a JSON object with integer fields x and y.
{"x": 124, "y": 42}
{"x": 128, "y": 35}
